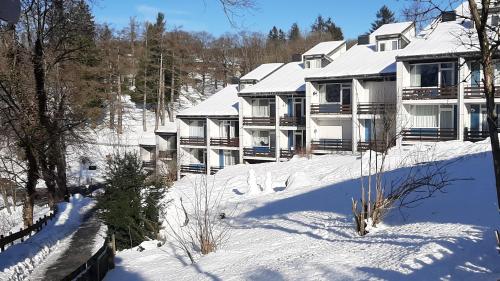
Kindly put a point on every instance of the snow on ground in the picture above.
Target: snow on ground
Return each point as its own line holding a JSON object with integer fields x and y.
{"x": 18, "y": 261}
{"x": 13, "y": 222}
{"x": 306, "y": 231}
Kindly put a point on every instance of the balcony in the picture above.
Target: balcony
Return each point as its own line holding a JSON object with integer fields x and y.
{"x": 475, "y": 135}
{"x": 198, "y": 141}
{"x": 331, "y": 109}
{"x": 331, "y": 145}
{"x": 262, "y": 151}
{"x": 194, "y": 169}
{"x": 429, "y": 134}
{"x": 375, "y": 108}
{"x": 166, "y": 154}
{"x": 227, "y": 142}
{"x": 474, "y": 92}
{"x": 259, "y": 121}
{"x": 148, "y": 164}
{"x": 292, "y": 121}
{"x": 287, "y": 153}
{"x": 431, "y": 93}
{"x": 374, "y": 145}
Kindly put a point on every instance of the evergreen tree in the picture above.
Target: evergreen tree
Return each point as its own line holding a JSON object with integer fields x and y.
{"x": 121, "y": 205}
{"x": 294, "y": 33}
{"x": 384, "y": 16}
{"x": 281, "y": 35}
{"x": 327, "y": 29}
{"x": 273, "y": 34}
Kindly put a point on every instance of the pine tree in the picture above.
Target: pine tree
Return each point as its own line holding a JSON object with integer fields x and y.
{"x": 384, "y": 16}
{"x": 273, "y": 34}
{"x": 281, "y": 35}
{"x": 294, "y": 33}
{"x": 326, "y": 30}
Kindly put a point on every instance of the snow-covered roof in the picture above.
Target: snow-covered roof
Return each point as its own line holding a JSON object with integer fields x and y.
{"x": 222, "y": 103}
{"x": 324, "y": 48}
{"x": 169, "y": 128}
{"x": 147, "y": 139}
{"x": 261, "y": 71}
{"x": 391, "y": 28}
{"x": 444, "y": 38}
{"x": 289, "y": 78}
{"x": 360, "y": 60}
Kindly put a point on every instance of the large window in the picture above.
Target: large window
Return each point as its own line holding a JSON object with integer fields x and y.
{"x": 263, "y": 138}
{"x": 335, "y": 93}
{"x": 433, "y": 75}
{"x": 433, "y": 116}
{"x": 263, "y": 108}
{"x": 313, "y": 63}
{"x": 228, "y": 129}
{"x": 197, "y": 129}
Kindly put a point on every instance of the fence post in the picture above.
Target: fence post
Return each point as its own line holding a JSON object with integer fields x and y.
{"x": 22, "y": 238}
{"x": 2, "y": 247}
{"x": 111, "y": 256}
{"x": 45, "y": 219}
{"x": 10, "y": 233}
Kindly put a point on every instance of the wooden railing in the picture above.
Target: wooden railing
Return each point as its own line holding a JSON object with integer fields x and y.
{"x": 292, "y": 121}
{"x": 430, "y": 93}
{"x": 259, "y": 121}
{"x": 230, "y": 142}
{"x": 200, "y": 141}
{"x": 475, "y": 135}
{"x": 148, "y": 164}
{"x": 214, "y": 170}
{"x": 259, "y": 152}
{"x": 425, "y": 134}
{"x": 471, "y": 92}
{"x": 21, "y": 234}
{"x": 331, "y": 109}
{"x": 374, "y": 145}
{"x": 331, "y": 145}
{"x": 96, "y": 267}
{"x": 194, "y": 169}
{"x": 375, "y": 108}
{"x": 287, "y": 153}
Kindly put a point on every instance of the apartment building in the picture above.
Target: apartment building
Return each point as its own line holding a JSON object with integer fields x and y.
{"x": 440, "y": 95}
{"x": 158, "y": 150}
{"x": 352, "y": 100}
{"x": 273, "y": 111}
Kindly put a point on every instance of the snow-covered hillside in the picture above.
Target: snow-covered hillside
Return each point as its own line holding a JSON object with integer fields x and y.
{"x": 306, "y": 231}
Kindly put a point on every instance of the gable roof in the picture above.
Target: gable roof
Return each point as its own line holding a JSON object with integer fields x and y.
{"x": 261, "y": 71}
{"x": 324, "y": 48}
{"x": 391, "y": 28}
{"x": 289, "y": 78}
{"x": 168, "y": 128}
{"x": 359, "y": 61}
{"x": 222, "y": 103}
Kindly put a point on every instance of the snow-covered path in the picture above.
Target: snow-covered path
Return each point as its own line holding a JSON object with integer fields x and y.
{"x": 305, "y": 232}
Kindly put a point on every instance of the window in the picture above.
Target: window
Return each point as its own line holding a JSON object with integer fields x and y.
{"x": 313, "y": 63}
{"x": 308, "y": 64}
{"x": 262, "y": 108}
{"x": 425, "y": 116}
{"x": 230, "y": 158}
{"x": 335, "y": 93}
{"x": 447, "y": 74}
{"x": 446, "y": 117}
{"x": 394, "y": 45}
{"x": 197, "y": 129}
{"x": 261, "y": 138}
{"x": 381, "y": 47}
{"x": 424, "y": 75}
{"x": 227, "y": 129}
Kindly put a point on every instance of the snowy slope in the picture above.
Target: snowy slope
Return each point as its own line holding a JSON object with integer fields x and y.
{"x": 305, "y": 231}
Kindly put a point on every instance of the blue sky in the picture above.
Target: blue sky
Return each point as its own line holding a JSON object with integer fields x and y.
{"x": 354, "y": 16}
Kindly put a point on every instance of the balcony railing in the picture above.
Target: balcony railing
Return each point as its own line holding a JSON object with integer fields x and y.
{"x": 331, "y": 145}
{"x": 269, "y": 152}
{"x": 287, "y": 153}
{"x": 471, "y": 92}
{"x": 475, "y": 135}
{"x": 200, "y": 141}
{"x": 259, "y": 121}
{"x": 429, "y": 134}
{"x": 374, "y": 145}
{"x": 214, "y": 170}
{"x": 292, "y": 121}
{"x": 194, "y": 169}
{"x": 331, "y": 109}
{"x": 430, "y": 93}
{"x": 229, "y": 142}
{"x": 375, "y": 108}
{"x": 166, "y": 154}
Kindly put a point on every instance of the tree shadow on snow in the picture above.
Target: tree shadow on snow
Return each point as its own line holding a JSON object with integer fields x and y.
{"x": 469, "y": 205}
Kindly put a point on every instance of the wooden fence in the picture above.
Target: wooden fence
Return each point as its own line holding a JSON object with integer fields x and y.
{"x": 95, "y": 268}
{"x": 21, "y": 234}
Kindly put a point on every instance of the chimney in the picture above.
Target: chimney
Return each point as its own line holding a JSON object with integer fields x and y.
{"x": 448, "y": 16}
{"x": 364, "y": 39}
{"x": 296, "y": 57}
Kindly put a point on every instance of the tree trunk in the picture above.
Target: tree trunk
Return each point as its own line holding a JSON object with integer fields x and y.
{"x": 61, "y": 178}
{"x": 172, "y": 92}
{"x": 144, "y": 101}
{"x": 111, "y": 102}
{"x": 120, "y": 109}
{"x": 32, "y": 178}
